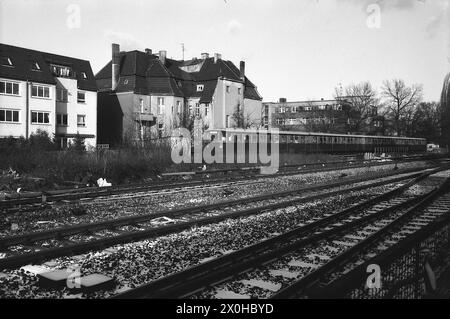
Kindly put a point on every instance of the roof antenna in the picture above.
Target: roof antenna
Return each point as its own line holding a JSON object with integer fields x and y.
{"x": 182, "y": 49}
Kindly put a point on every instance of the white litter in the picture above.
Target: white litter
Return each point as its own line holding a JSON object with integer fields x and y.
{"x": 103, "y": 183}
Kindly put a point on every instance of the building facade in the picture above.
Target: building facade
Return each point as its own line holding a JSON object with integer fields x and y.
{"x": 47, "y": 92}
{"x": 144, "y": 95}
{"x": 326, "y": 116}
{"x": 304, "y": 116}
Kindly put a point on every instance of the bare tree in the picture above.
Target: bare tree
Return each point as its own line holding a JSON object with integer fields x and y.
{"x": 426, "y": 121}
{"x": 400, "y": 101}
{"x": 240, "y": 119}
{"x": 320, "y": 120}
{"x": 184, "y": 120}
{"x": 363, "y": 105}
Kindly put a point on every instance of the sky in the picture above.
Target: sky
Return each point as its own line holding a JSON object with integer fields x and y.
{"x": 297, "y": 49}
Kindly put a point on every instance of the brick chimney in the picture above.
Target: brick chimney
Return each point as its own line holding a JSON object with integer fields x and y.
{"x": 282, "y": 100}
{"x": 115, "y": 66}
{"x": 205, "y": 56}
{"x": 217, "y": 56}
{"x": 148, "y": 51}
{"x": 162, "y": 56}
{"x": 242, "y": 70}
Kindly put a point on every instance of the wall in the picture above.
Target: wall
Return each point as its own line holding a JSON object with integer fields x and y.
{"x": 254, "y": 110}
{"x": 14, "y": 102}
{"x": 72, "y": 108}
{"x": 45, "y": 105}
{"x": 225, "y": 103}
{"x": 36, "y": 104}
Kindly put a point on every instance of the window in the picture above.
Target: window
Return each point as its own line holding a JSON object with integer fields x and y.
{"x": 141, "y": 105}
{"x": 6, "y": 61}
{"x": 206, "y": 109}
{"x": 239, "y": 91}
{"x": 62, "y": 142}
{"x": 227, "y": 124}
{"x": 81, "y": 97}
{"x": 9, "y": 116}
{"x": 190, "y": 109}
{"x": 81, "y": 120}
{"x": 61, "y": 119}
{"x": 61, "y": 95}
{"x": 281, "y": 109}
{"x": 200, "y": 87}
{"x": 197, "y": 109}
{"x": 228, "y": 89}
{"x": 179, "y": 107}
{"x": 83, "y": 75}
{"x": 40, "y": 117}
{"x": 40, "y": 91}
{"x": 35, "y": 66}
{"x": 9, "y": 88}
{"x": 160, "y": 101}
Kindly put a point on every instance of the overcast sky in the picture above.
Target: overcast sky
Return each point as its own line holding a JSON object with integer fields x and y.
{"x": 293, "y": 49}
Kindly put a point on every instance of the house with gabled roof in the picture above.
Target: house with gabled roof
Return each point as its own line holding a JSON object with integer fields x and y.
{"x": 143, "y": 95}
{"x": 47, "y": 92}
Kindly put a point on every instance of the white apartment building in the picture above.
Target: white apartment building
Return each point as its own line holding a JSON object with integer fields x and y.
{"x": 48, "y": 92}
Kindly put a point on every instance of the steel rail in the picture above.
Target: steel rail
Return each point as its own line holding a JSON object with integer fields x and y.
{"x": 313, "y": 277}
{"x": 196, "y": 278}
{"x": 136, "y": 219}
{"x": 77, "y": 248}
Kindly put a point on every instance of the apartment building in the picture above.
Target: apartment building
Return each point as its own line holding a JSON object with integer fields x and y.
{"x": 144, "y": 95}
{"x": 48, "y": 92}
{"x": 327, "y": 116}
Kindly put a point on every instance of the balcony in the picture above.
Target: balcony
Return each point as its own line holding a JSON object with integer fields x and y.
{"x": 62, "y": 71}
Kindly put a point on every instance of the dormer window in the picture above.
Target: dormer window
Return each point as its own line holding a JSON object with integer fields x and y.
{"x": 6, "y": 61}
{"x": 35, "y": 66}
{"x": 61, "y": 71}
{"x": 83, "y": 75}
{"x": 200, "y": 87}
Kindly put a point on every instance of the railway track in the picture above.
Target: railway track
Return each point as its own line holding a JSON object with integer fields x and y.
{"x": 35, "y": 201}
{"x": 312, "y": 249}
{"x": 385, "y": 233}
{"x": 34, "y": 247}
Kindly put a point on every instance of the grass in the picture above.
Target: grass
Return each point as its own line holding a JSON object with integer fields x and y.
{"x": 41, "y": 166}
